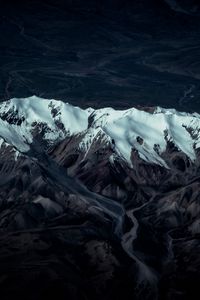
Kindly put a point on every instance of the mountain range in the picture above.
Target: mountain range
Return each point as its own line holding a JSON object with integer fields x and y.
{"x": 98, "y": 203}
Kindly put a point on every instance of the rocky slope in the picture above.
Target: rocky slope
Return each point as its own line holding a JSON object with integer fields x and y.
{"x": 98, "y": 203}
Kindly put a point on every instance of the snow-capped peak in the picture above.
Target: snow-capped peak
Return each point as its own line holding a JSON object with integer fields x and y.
{"x": 148, "y": 133}
{"x": 54, "y": 119}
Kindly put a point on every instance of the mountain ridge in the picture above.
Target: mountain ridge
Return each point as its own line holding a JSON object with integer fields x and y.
{"x": 148, "y": 132}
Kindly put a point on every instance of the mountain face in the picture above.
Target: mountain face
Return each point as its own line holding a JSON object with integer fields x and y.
{"x": 98, "y": 203}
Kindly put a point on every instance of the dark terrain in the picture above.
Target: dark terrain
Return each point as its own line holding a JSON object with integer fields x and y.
{"x": 82, "y": 227}
{"x": 102, "y": 53}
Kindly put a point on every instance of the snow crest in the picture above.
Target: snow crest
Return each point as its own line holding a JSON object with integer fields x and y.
{"x": 129, "y": 129}
{"x": 19, "y": 118}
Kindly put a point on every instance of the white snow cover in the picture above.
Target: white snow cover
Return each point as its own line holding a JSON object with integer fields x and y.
{"x": 121, "y": 126}
{"x": 38, "y": 111}
{"x": 124, "y": 126}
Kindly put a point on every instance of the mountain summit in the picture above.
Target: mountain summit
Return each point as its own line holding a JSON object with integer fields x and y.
{"x": 148, "y": 131}
{"x": 98, "y": 203}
